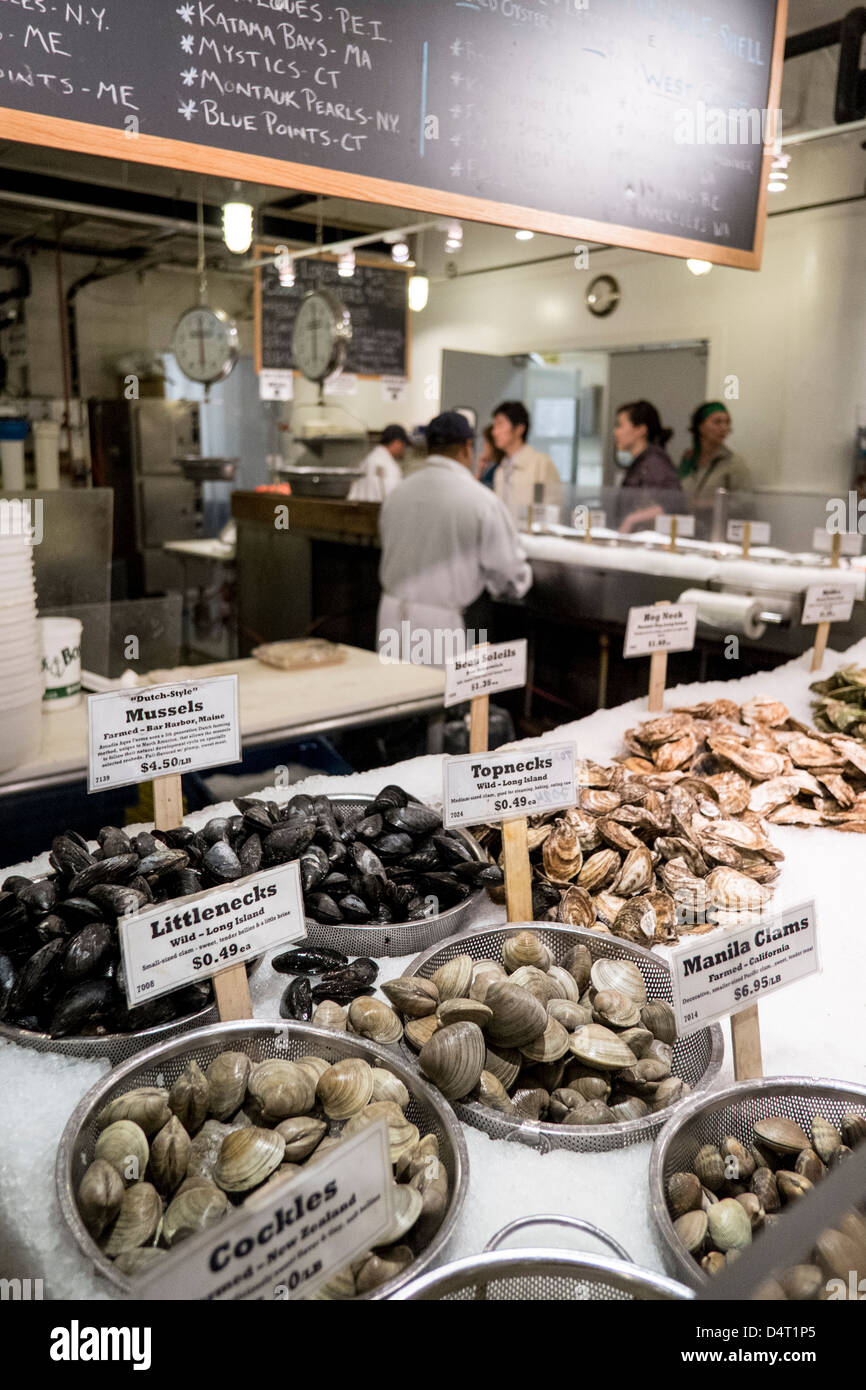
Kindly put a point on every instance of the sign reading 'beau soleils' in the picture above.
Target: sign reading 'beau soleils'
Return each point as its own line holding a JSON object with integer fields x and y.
{"x": 713, "y": 979}
{"x": 162, "y": 729}
{"x": 507, "y": 785}
{"x": 175, "y": 943}
{"x": 286, "y": 1242}
{"x": 485, "y": 671}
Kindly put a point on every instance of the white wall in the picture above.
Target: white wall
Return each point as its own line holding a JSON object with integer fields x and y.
{"x": 794, "y": 334}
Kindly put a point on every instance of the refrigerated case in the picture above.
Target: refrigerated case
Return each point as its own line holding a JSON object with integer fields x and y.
{"x": 134, "y": 447}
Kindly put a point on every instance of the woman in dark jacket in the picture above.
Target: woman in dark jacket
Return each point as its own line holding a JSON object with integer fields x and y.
{"x": 640, "y": 439}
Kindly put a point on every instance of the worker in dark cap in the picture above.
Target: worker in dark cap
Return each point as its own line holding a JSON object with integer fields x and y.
{"x": 382, "y": 470}
{"x": 445, "y": 539}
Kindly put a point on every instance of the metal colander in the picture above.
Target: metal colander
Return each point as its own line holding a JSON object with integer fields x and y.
{"x": 535, "y": 1274}
{"x": 397, "y": 938}
{"x": 697, "y": 1058}
{"x": 162, "y": 1065}
{"x": 705, "y": 1119}
{"x": 117, "y": 1047}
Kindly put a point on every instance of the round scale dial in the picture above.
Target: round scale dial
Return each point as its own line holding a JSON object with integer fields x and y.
{"x": 205, "y": 344}
{"x": 323, "y": 327}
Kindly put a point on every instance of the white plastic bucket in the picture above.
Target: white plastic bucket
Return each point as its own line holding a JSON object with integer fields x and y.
{"x": 20, "y": 732}
{"x": 61, "y": 662}
{"x": 46, "y": 447}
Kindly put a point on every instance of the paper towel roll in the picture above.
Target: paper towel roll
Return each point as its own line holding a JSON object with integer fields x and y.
{"x": 729, "y": 612}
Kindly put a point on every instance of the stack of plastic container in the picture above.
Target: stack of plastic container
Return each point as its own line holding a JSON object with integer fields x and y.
{"x": 20, "y": 654}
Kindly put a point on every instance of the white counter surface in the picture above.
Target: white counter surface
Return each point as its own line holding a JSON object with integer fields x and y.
{"x": 815, "y": 1028}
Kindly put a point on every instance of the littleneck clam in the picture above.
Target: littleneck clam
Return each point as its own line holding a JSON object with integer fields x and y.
{"x": 141, "y": 1198}
{"x": 744, "y": 1184}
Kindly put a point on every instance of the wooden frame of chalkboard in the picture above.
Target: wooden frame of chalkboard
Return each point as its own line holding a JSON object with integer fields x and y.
{"x": 264, "y": 250}
{"x": 114, "y": 142}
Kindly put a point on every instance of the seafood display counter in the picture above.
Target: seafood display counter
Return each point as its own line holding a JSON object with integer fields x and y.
{"x": 798, "y": 844}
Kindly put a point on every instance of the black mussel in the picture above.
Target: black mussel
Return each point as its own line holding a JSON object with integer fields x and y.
{"x": 394, "y": 845}
{"x": 29, "y": 1021}
{"x": 68, "y": 855}
{"x": 325, "y": 818}
{"x": 445, "y": 888}
{"x": 191, "y": 999}
{"x": 7, "y": 981}
{"x": 314, "y": 866}
{"x": 300, "y": 805}
{"x": 257, "y": 818}
{"x": 182, "y": 884}
{"x": 322, "y": 908}
{"x": 414, "y": 818}
{"x": 216, "y": 829}
{"x": 491, "y": 875}
{"x": 250, "y": 853}
{"x": 115, "y": 870}
{"x": 144, "y": 844}
{"x": 367, "y": 861}
{"x": 371, "y": 888}
{"x": 163, "y": 861}
{"x": 39, "y": 896}
{"x": 113, "y": 841}
{"x": 38, "y": 980}
{"x": 141, "y": 885}
{"x": 341, "y": 994}
{"x": 400, "y": 895}
{"x": 47, "y": 928}
{"x": 179, "y": 837}
{"x": 288, "y": 841}
{"x": 362, "y": 971}
{"x": 309, "y": 960}
{"x": 221, "y": 864}
{"x": 469, "y": 870}
{"x": 391, "y": 796}
{"x": 544, "y": 897}
{"x": 83, "y": 1006}
{"x": 116, "y": 899}
{"x": 452, "y": 850}
{"x": 354, "y": 909}
{"x": 336, "y": 851}
{"x": 297, "y": 1000}
{"x": 336, "y": 883}
{"x": 13, "y": 884}
{"x": 235, "y": 829}
{"x": 89, "y": 951}
{"x": 149, "y": 1015}
{"x": 425, "y": 857}
{"x": 369, "y": 827}
{"x": 78, "y": 911}
{"x": 383, "y": 914}
{"x": 418, "y": 908}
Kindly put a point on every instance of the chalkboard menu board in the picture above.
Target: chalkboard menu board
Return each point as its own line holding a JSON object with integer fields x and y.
{"x": 637, "y": 122}
{"x": 376, "y": 297}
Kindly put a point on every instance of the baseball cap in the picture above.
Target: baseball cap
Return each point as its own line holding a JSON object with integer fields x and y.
{"x": 393, "y": 432}
{"x": 449, "y": 428}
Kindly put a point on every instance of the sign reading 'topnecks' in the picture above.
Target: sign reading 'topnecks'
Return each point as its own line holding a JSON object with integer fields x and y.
{"x": 506, "y": 785}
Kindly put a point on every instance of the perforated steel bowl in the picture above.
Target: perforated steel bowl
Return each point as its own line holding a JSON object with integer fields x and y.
{"x": 705, "y": 1119}
{"x": 539, "y": 1274}
{"x": 161, "y": 1066}
{"x": 397, "y": 938}
{"x": 697, "y": 1058}
{"x": 117, "y": 1047}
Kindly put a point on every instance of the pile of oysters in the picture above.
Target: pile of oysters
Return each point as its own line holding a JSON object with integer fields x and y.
{"x": 734, "y": 1190}
{"x": 169, "y": 1163}
{"x": 573, "y": 1043}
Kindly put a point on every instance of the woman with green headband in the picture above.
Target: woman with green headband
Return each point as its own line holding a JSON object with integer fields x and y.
{"x": 709, "y": 464}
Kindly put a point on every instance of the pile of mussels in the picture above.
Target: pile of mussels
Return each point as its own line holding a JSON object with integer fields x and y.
{"x": 60, "y": 967}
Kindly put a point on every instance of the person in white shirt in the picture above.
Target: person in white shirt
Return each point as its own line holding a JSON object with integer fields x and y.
{"x": 523, "y": 467}
{"x": 382, "y": 471}
{"x": 445, "y": 539}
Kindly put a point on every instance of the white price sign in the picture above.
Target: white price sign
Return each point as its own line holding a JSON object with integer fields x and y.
{"x": 713, "y": 979}
{"x": 760, "y": 533}
{"x": 395, "y": 389}
{"x": 822, "y": 541}
{"x": 506, "y": 784}
{"x": 161, "y": 729}
{"x": 175, "y": 943}
{"x": 342, "y": 384}
{"x": 685, "y": 525}
{"x": 828, "y": 603}
{"x": 663, "y": 627}
{"x": 485, "y": 671}
{"x": 277, "y": 384}
{"x": 288, "y": 1241}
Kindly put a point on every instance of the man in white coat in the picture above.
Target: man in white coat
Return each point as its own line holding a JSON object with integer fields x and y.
{"x": 382, "y": 471}
{"x": 445, "y": 539}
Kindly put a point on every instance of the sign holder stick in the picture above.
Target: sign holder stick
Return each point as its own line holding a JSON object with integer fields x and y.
{"x": 658, "y": 671}
{"x": 230, "y": 986}
{"x": 479, "y": 718}
{"x": 675, "y": 530}
{"x": 822, "y": 632}
{"x": 747, "y": 539}
{"x": 746, "y": 1040}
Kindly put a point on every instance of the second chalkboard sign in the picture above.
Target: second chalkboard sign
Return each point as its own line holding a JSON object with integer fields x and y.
{"x": 376, "y": 297}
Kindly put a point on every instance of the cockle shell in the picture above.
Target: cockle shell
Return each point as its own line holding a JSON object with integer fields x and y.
{"x": 780, "y": 1134}
{"x": 329, "y": 1014}
{"x": 420, "y": 1030}
{"x": 710, "y": 1167}
{"x": 454, "y": 978}
{"x": 624, "y": 975}
{"x": 524, "y": 948}
{"x": 491, "y": 1092}
{"x": 137, "y": 1221}
{"x": 504, "y": 1063}
{"x": 615, "y": 1009}
{"x": 375, "y": 1270}
{"x": 684, "y": 1193}
{"x": 281, "y": 1088}
{"x": 376, "y": 1020}
{"x": 345, "y": 1088}
{"x": 578, "y": 962}
{"x": 301, "y": 1134}
{"x": 454, "y": 1057}
{"x": 188, "y": 1097}
{"x": 730, "y": 1227}
{"x": 100, "y": 1194}
{"x": 464, "y": 1011}
{"x": 193, "y": 1210}
{"x": 247, "y": 1157}
{"x": 124, "y": 1145}
{"x": 146, "y": 1106}
{"x": 169, "y": 1156}
{"x": 599, "y": 1047}
{"x": 518, "y": 1016}
{"x": 412, "y": 996}
{"x": 227, "y": 1083}
{"x": 550, "y": 1046}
